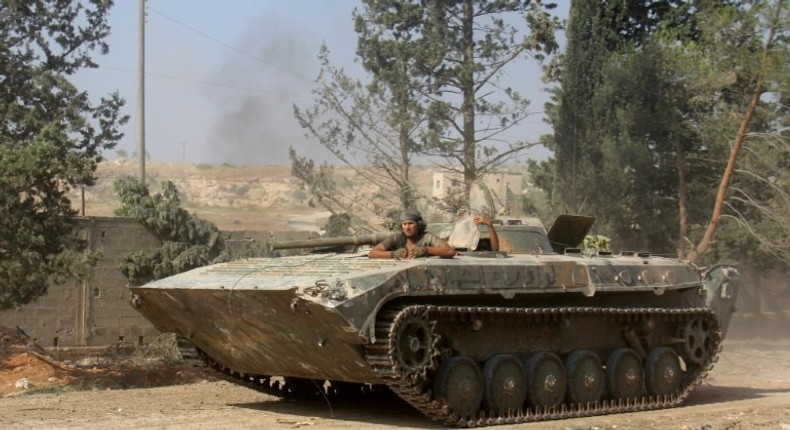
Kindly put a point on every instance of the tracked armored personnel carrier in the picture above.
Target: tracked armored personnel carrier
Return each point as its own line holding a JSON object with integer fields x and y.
{"x": 534, "y": 331}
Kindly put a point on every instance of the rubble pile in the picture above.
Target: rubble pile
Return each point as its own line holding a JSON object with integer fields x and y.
{"x": 26, "y": 367}
{"x": 15, "y": 340}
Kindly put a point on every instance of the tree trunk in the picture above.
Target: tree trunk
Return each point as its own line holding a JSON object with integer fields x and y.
{"x": 683, "y": 228}
{"x": 721, "y": 196}
{"x": 468, "y": 108}
{"x": 404, "y": 139}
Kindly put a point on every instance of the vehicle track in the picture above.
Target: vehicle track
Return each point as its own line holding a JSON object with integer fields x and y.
{"x": 417, "y": 391}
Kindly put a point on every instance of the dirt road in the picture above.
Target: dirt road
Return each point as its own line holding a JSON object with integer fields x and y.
{"x": 749, "y": 388}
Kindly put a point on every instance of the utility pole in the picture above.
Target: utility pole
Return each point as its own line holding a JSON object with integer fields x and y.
{"x": 141, "y": 91}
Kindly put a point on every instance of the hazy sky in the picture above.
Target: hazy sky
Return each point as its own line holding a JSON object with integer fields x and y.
{"x": 221, "y": 77}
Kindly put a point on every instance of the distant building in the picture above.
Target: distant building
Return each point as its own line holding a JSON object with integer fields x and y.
{"x": 443, "y": 182}
{"x": 503, "y": 186}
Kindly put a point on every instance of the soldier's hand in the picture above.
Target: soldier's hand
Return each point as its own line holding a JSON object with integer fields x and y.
{"x": 400, "y": 253}
{"x": 482, "y": 220}
{"x": 418, "y": 251}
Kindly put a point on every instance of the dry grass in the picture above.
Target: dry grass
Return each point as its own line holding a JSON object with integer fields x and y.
{"x": 233, "y": 198}
{"x": 260, "y": 198}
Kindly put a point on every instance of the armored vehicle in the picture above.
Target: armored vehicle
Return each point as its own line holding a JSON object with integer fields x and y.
{"x": 534, "y": 331}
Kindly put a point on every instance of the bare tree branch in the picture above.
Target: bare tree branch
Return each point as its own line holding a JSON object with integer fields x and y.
{"x": 721, "y": 195}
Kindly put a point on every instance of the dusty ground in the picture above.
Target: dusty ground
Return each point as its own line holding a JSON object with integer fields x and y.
{"x": 749, "y": 388}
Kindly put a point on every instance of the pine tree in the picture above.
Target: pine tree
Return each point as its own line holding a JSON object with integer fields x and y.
{"x": 51, "y": 138}
{"x": 456, "y": 52}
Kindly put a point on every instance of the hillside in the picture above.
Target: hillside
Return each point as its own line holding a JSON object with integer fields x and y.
{"x": 257, "y": 198}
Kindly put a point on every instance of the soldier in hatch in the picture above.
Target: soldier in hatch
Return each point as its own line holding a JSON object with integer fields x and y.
{"x": 412, "y": 242}
{"x": 492, "y": 243}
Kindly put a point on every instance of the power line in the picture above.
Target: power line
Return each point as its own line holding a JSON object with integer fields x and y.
{"x": 195, "y": 81}
{"x": 232, "y": 48}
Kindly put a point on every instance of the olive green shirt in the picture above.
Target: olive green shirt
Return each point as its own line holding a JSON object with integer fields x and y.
{"x": 398, "y": 240}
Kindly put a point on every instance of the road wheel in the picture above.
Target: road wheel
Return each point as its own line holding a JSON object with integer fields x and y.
{"x": 546, "y": 380}
{"x": 663, "y": 374}
{"x": 459, "y": 382}
{"x": 586, "y": 381}
{"x": 505, "y": 383}
{"x": 624, "y": 374}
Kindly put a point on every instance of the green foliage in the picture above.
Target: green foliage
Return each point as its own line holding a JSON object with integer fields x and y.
{"x": 636, "y": 182}
{"x": 453, "y": 201}
{"x": 458, "y": 52}
{"x": 319, "y": 182}
{"x": 533, "y": 203}
{"x": 593, "y": 244}
{"x": 542, "y": 176}
{"x": 435, "y": 67}
{"x": 649, "y": 108}
{"x": 756, "y": 229}
{"x": 726, "y": 76}
{"x": 622, "y": 121}
{"x": 51, "y": 138}
{"x": 338, "y": 225}
{"x": 187, "y": 241}
{"x": 370, "y": 128}
{"x": 596, "y": 32}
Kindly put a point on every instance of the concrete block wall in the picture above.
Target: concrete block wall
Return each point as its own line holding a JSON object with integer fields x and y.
{"x": 109, "y": 317}
{"x": 47, "y": 321}
{"x": 96, "y": 312}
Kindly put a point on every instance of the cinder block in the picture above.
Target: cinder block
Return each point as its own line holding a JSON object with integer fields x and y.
{"x": 109, "y": 314}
